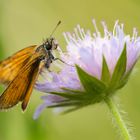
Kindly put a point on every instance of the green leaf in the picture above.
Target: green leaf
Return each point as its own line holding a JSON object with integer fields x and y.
{"x": 69, "y": 95}
{"x": 105, "y": 72}
{"x": 119, "y": 70}
{"x": 90, "y": 83}
{"x": 73, "y": 91}
{"x": 126, "y": 77}
{"x": 66, "y": 103}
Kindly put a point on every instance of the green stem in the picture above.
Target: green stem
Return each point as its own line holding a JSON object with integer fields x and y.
{"x": 124, "y": 130}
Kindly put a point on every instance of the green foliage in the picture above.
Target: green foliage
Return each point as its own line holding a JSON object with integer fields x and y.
{"x": 119, "y": 70}
{"x": 91, "y": 84}
{"x": 105, "y": 72}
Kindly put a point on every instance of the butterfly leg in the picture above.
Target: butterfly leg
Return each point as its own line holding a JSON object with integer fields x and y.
{"x": 62, "y": 61}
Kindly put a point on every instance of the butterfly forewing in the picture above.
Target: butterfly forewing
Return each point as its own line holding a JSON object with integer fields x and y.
{"x": 11, "y": 66}
{"x": 20, "y": 71}
{"x": 21, "y": 87}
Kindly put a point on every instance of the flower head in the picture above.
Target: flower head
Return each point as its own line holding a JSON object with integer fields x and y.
{"x": 98, "y": 66}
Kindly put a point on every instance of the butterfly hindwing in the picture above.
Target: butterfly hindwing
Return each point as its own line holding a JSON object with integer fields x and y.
{"x": 21, "y": 87}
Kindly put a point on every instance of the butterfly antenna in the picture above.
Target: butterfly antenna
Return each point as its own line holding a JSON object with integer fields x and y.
{"x": 59, "y": 22}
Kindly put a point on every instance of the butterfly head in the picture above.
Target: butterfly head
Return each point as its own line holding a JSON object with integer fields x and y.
{"x": 50, "y": 44}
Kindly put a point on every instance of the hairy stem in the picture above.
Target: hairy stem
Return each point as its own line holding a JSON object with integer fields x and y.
{"x": 124, "y": 130}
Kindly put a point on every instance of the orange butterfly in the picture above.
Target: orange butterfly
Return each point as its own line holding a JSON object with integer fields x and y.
{"x": 21, "y": 70}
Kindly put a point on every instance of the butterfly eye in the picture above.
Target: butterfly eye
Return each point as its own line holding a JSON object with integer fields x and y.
{"x": 48, "y": 46}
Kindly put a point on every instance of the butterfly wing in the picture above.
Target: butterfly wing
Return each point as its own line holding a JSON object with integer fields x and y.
{"x": 11, "y": 66}
{"x": 21, "y": 87}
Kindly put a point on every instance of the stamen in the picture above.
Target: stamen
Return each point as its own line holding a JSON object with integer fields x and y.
{"x": 76, "y": 33}
{"x": 80, "y": 31}
{"x": 105, "y": 29}
{"x": 96, "y": 29}
{"x": 66, "y": 37}
{"x": 115, "y": 26}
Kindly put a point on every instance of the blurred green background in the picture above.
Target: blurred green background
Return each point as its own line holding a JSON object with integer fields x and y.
{"x": 23, "y": 23}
